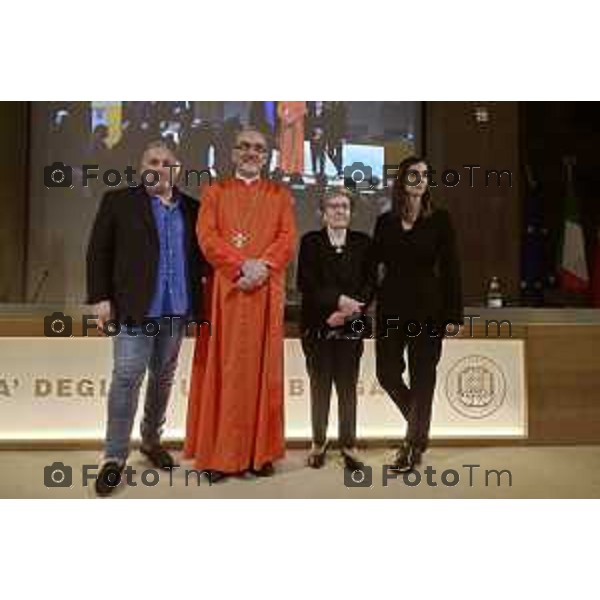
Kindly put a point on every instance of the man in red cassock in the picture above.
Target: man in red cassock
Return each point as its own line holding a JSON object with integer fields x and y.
{"x": 247, "y": 232}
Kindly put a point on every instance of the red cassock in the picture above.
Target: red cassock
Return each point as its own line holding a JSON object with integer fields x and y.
{"x": 235, "y": 409}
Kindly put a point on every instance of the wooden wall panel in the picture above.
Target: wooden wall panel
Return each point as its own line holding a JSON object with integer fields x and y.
{"x": 487, "y": 218}
{"x": 563, "y": 372}
{"x": 13, "y": 199}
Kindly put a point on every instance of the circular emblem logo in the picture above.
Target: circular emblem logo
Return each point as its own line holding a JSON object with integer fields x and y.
{"x": 475, "y": 387}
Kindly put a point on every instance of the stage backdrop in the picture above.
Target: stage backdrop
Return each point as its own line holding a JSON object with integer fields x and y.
{"x": 56, "y": 388}
{"x": 331, "y": 136}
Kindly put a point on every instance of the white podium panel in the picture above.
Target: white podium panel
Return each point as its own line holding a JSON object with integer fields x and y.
{"x": 56, "y": 388}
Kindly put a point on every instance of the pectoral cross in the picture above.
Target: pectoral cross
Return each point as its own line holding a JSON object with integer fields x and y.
{"x": 239, "y": 239}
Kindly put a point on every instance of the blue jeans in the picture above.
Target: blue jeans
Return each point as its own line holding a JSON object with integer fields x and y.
{"x": 132, "y": 356}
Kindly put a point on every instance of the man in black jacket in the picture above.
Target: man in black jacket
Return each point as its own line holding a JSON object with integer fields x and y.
{"x": 144, "y": 270}
{"x": 315, "y": 124}
{"x": 334, "y": 132}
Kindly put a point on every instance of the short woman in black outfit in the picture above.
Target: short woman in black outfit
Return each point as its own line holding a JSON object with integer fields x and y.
{"x": 333, "y": 276}
{"x": 420, "y": 291}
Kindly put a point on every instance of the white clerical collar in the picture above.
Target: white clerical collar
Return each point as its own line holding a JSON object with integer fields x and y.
{"x": 247, "y": 180}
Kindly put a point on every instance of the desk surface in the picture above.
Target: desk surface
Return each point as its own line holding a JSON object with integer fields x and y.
{"x": 517, "y": 316}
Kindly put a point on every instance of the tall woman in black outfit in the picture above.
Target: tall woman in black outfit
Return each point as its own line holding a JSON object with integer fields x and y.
{"x": 420, "y": 291}
{"x": 334, "y": 278}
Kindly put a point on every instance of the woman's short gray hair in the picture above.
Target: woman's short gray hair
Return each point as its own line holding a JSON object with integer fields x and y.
{"x": 331, "y": 194}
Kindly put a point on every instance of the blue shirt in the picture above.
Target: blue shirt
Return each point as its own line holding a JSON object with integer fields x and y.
{"x": 271, "y": 113}
{"x": 172, "y": 293}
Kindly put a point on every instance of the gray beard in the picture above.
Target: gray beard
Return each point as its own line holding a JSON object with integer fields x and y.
{"x": 246, "y": 174}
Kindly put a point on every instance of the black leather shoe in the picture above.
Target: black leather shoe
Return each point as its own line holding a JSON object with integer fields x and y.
{"x": 216, "y": 476}
{"x": 109, "y": 478}
{"x": 407, "y": 458}
{"x": 159, "y": 457}
{"x": 351, "y": 461}
{"x": 267, "y": 470}
{"x": 316, "y": 461}
{"x": 316, "y": 457}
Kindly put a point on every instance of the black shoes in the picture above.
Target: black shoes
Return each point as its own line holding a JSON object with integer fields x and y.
{"x": 316, "y": 457}
{"x": 216, "y": 476}
{"x": 109, "y": 478}
{"x": 111, "y": 471}
{"x": 267, "y": 470}
{"x": 351, "y": 460}
{"x": 159, "y": 457}
{"x": 407, "y": 458}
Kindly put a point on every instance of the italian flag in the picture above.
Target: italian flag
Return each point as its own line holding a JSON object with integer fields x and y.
{"x": 573, "y": 272}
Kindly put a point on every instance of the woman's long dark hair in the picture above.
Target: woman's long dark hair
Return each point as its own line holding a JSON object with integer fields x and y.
{"x": 399, "y": 195}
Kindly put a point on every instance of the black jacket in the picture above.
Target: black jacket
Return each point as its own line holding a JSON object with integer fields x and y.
{"x": 123, "y": 253}
{"x": 421, "y": 268}
{"x": 324, "y": 274}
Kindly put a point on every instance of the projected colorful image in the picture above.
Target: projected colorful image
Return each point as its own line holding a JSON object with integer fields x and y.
{"x": 312, "y": 142}
{"x": 313, "y": 146}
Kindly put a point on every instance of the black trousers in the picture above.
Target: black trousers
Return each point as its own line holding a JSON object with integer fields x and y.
{"x": 317, "y": 156}
{"x": 329, "y": 362}
{"x": 334, "y": 150}
{"x": 424, "y": 353}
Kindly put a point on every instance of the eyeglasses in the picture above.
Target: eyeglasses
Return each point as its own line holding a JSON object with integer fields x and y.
{"x": 335, "y": 206}
{"x": 245, "y": 147}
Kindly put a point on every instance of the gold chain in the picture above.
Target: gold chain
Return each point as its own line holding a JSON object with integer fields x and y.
{"x": 240, "y": 236}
